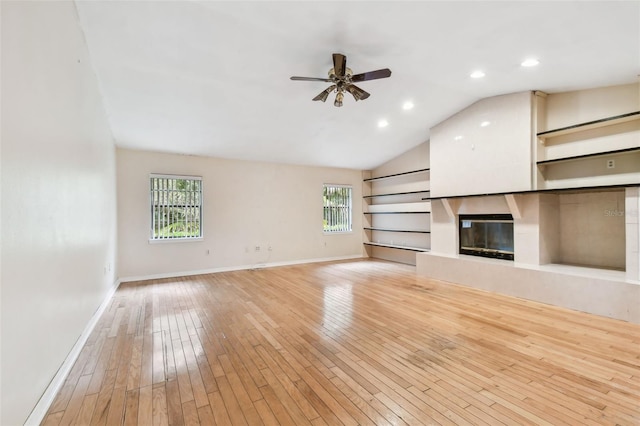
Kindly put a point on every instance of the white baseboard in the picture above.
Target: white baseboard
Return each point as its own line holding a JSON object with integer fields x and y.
{"x": 40, "y": 410}
{"x": 237, "y": 268}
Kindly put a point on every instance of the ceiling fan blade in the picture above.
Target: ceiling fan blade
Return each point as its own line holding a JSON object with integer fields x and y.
{"x": 310, "y": 79}
{"x": 372, "y": 75}
{"x": 325, "y": 93}
{"x": 339, "y": 64}
{"x": 358, "y": 93}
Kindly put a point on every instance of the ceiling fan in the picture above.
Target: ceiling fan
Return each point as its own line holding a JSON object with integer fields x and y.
{"x": 343, "y": 79}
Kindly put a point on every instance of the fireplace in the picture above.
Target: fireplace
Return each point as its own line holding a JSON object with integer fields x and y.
{"x": 489, "y": 235}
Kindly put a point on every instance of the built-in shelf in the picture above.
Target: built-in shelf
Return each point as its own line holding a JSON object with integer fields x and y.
{"x": 584, "y": 156}
{"x": 396, "y": 230}
{"x": 549, "y": 190}
{"x": 396, "y": 193}
{"x": 420, "y": 212}
{"x": 393, "y": 246}
{"x": 396, "y": 174}
{"x": 408, "y": 217}
{"x": 609, "y": 121}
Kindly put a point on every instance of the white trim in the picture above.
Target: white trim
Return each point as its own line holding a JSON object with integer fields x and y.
{"x": 44, "y": 403}
{"x": 166, "y": 176}
{"x": 237, "y": 268}
{"x": 176, "y": 240}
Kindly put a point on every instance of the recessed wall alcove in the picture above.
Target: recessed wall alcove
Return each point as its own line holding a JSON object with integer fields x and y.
{"x": 589, "y": 228}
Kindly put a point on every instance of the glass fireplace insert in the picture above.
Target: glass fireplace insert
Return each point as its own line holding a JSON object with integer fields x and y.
{"x": 487, "y": 235}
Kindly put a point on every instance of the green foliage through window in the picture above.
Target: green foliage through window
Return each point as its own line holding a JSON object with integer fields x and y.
{"x": 176, "y": 207}
{"x": 337, "y": 208}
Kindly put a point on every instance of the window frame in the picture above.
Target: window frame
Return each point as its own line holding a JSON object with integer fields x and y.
{"x": 152, "y": 239}
{"x": 332, "y": 185}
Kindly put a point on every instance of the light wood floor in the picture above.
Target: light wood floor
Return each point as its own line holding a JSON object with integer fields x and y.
{"x": 363, "y": 342}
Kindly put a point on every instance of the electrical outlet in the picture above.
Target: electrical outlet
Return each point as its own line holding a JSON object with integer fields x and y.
{"x": 270, "y": 248}
{"x": 611, "y": 164}
{"x": 257, "y": 248}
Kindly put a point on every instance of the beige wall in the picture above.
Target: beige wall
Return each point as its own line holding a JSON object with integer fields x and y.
{"x": 467, "y": 158}
{"x": 580, "y": 106}
{"x": 592, "y": 229}
{"x": 246, "y": 204}
{"x": 58, "y": 198}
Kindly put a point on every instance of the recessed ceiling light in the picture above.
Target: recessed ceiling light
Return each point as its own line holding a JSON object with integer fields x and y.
{"x": 531, "y": 62}
{"x": 477, "y": 74}
{"x": 383, "y": 123}
{"x": 407, "y": 106}
{"x": 457, "y": 138}
{"x": 485, "y": 123}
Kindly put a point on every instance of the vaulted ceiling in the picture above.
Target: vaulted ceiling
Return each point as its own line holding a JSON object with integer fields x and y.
{"x": 212, "y": 78}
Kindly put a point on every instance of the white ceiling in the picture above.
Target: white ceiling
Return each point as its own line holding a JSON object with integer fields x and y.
{"x": 212, "y": 78}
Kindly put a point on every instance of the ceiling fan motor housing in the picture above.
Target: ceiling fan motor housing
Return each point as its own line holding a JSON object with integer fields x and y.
{"x": 347, "y": 75}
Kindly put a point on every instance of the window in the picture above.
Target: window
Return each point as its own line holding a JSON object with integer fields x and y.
{"x": 337, "y": 208}
{"x": 176, "y": 207}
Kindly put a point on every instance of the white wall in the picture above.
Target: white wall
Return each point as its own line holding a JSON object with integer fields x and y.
{"x": 58, "y": 198}
{"x": 246, "y": 204}
{"x": 469, "y": 158}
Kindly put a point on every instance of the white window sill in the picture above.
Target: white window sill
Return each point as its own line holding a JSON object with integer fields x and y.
{"x": 176, "y": 240}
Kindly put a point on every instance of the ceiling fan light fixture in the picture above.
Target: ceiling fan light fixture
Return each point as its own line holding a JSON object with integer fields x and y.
{"x": 325, "y": 93}
{"x": 339, "y": 98}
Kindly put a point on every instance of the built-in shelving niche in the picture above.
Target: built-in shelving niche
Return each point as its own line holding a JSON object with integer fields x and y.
{"x": 594, "y": 153}
{"x": 396, "y": 216}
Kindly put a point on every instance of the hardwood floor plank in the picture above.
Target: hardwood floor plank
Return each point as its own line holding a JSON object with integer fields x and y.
{"x": 190, "y": 414}
{"x": 276, "y": 407}
{"x": 86, "y": 410}
{"x": 348, "y": 342}
{"x": 220, "y": 413}
{"x": 182, "y": 372}
{"x": 145, "y": 406}
{"x": 115, "y": 415}
{"x": 268, "y": 419}
{"x": 133, "y": 376}
{"x": 300, "y": 415}
{"x": 367, "y": 396}
{"x": 206, "y": 415}
{"x": 174, "y": 406}
{"x": 104, "y": 399}
{"x": 75, "y": 403}
{"x": 233, "y": 409}
{"x": 53, "y": 419}
{"x": 131, "y": 403}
